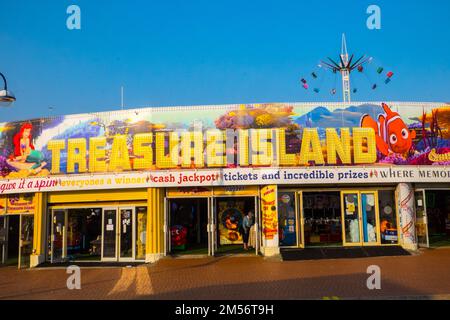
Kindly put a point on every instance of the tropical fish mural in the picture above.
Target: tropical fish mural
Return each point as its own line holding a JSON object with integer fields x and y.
{"x": 392, "y": 133}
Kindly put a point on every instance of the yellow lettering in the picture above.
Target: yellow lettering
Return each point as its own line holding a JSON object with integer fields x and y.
{"x": 310, "y": 148}
{"x": 338, "y": 146}
{"x": 55, "y": 146}
{"x": 261, "y": 147}
{"x": 119, "y": 159}
{"x": 243, "y": 147}
{"x": 170, "y": 160}
{"x": 76, "y": 154}
{"x": 284, "y": 159}
{"x": 95, "y": 154}
{"x": 192, "y": 148}
{"x": 361, "y": 136}
{"x": 215, "y": 148}
{"x": 143, "y": 151}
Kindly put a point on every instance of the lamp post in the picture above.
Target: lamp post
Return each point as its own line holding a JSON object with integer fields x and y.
{"x": 5, "y": 95}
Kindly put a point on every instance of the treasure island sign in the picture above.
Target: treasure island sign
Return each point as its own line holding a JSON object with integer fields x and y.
{"x": 214, "y": 149}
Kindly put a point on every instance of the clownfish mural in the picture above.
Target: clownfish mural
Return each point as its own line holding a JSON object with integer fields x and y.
{"x": 392, "y": 133}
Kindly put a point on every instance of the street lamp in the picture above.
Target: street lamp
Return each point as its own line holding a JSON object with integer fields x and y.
{"x": 5, "y": 95}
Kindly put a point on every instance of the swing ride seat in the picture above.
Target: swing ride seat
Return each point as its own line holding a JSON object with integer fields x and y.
{"x": 345, "y": 66}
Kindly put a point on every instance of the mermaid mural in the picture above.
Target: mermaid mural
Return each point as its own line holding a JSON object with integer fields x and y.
{"x": 25, "y": 157}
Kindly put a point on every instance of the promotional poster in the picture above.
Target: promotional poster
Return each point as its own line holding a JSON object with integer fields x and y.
{"x": 230, "y": 215}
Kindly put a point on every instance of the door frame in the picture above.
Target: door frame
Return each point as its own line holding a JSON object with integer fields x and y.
{"x": 299, "y": 225}
{"x": 21, "y": 216}
{"x": 425, "y": 216}
{"x": 103, "y": 206}
{"x": 257, "y": 217}
{"x": 166, "y": 228}
{"x": 116, "y": 235}
{"x": 301, "y": 220}
{"x": 119, "y": 233}
{"x": 302, "y": 217}
{"x": 4, "y": 245}
{"x": 167, "y": 222}
{"x": 64, "y": 235}
{"x": 258, "y": 237}
{"x": 211, "y": 226}
{"x": 377, "y": 218}
{"x": 359, "y": 194}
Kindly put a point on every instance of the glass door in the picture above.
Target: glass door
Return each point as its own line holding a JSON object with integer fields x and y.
{"x": 109, "y": 234}
{"x": 58, "y": 235}
{"x": 360, "y": 217}
{"x": 421, "y": 219}
{"x": 167, "y": 231}
{"x": 26, "y": 240}
{"x": 126, "y": 237}
{"x": 370, "y": 218}
{"x": 351, "y": 226}
{"x": 211, "y": 228}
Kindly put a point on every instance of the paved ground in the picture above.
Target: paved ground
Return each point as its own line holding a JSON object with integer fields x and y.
{"x": 426, "y": 275}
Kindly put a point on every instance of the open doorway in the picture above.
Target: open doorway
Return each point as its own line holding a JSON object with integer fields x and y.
{"x": 230, "y": 213}
{"x": 188, "y": 225}
{"x": 322, "y": 218}
{"x": 10, "y": 226}
{"x": 438, "y": 217}
{"x": 13, "y": 240}
{"x": 84, "y": 234}
{"x": 16, "y": 240}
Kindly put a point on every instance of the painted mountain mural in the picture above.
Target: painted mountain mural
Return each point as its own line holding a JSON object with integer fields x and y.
{"x": 322, "y": 117}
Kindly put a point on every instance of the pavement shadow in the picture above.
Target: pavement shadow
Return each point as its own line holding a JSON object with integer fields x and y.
{"x": 352, "y": 286}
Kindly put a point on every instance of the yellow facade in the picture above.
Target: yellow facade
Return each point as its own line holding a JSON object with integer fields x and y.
{"x": 154, "y": 199}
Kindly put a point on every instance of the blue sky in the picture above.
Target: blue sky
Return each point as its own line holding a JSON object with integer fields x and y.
{"x": 211, "y": 52}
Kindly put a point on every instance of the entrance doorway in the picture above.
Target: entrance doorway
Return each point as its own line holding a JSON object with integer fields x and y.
{"x": 188, "y": 221}
{"x": 438, "y": 213}
{"x": 433, "y": 217}
{"x": 97, "y": 234}
{"x": 118, "y": 234}
{"x": 16, "y": 239}
{"x": 12, "y": 246}
{"x": 209, "y": 225}
{"x": 361, "y": 218}
{"x": 229, "y": 213}
{"x": 322, "y": 219}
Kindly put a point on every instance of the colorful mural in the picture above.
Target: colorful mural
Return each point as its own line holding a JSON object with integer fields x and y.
{"x": 227, "y": 136}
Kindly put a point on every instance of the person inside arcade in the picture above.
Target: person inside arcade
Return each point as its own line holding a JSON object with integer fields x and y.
{"x": 247, "y": 223}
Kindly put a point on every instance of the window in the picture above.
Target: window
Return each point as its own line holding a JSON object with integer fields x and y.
{"x": 141, "y": 232}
